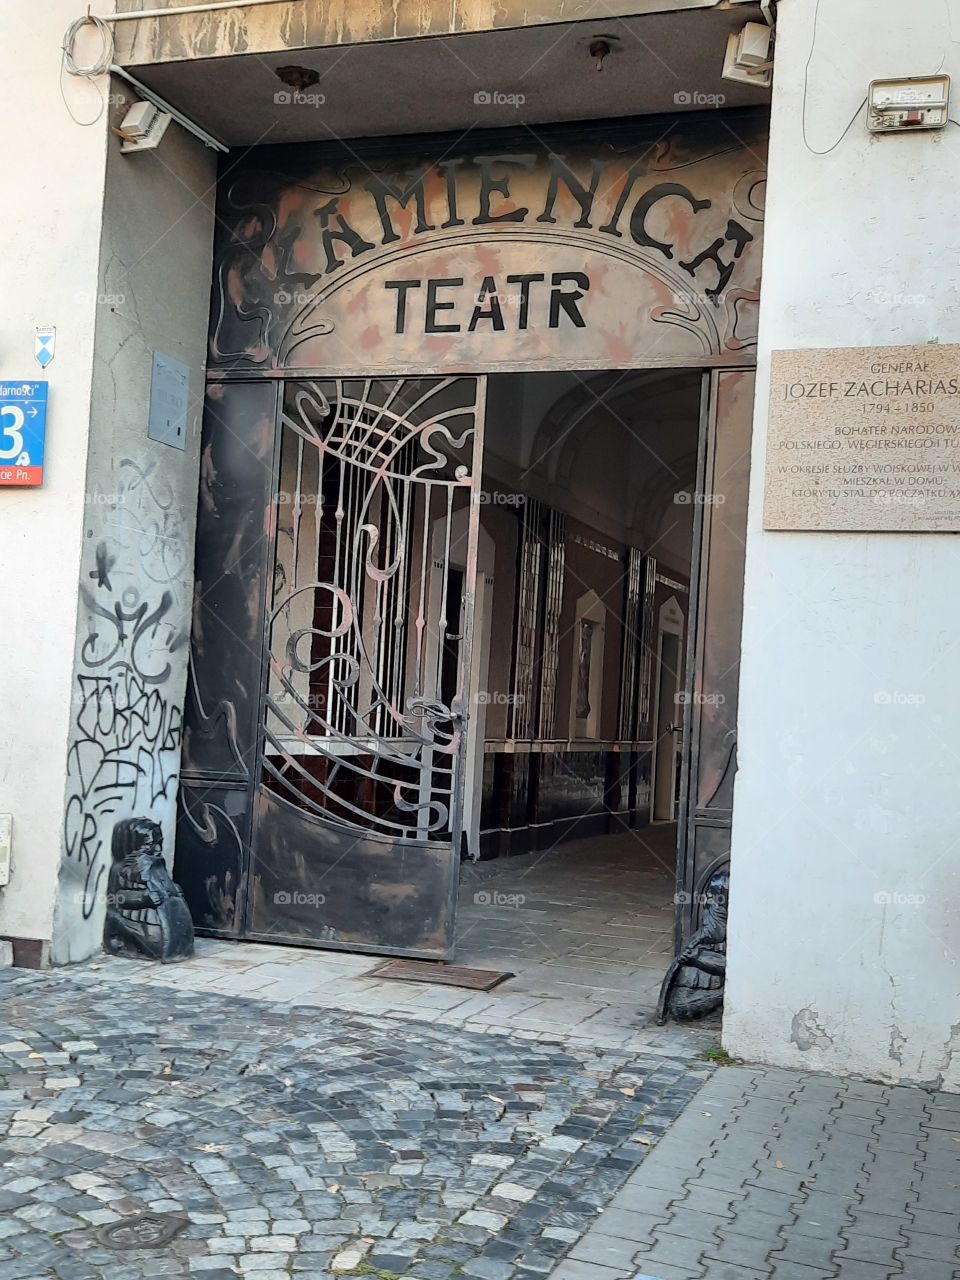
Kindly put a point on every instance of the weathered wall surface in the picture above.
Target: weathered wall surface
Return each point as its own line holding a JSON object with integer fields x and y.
{"x": 50, "y": 219}
{"x": 136, "y": 574}
{"x": 845, "y": 891}
{"x": 305, "y": 23}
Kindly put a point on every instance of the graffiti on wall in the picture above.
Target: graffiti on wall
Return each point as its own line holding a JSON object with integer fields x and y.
{"x": 126, "y": 722}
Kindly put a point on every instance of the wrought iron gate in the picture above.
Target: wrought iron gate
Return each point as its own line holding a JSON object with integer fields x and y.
{"x": 337, "y": 736}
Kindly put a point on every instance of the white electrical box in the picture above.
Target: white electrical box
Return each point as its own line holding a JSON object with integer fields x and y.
{"x": 6, "y": 840}
{"x": 748, "y": 57}
{"x": 915, "y": 102}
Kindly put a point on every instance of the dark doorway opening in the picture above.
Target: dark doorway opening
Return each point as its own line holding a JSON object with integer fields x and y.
{"x": 588, "y": 499}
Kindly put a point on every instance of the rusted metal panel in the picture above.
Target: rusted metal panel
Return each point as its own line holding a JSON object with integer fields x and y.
{"x": 638, "y": 246}
{"x": 313, "y": 883}
{"x": 222, "y": 712}
{"x": 212, "y": 853}
{"x": 710, "y": 719}
{"x": 234, "y": 513}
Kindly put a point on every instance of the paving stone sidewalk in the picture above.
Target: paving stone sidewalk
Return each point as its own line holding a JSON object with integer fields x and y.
{"x": 293, "y": 1141}
{"x": 797, "y": 1177}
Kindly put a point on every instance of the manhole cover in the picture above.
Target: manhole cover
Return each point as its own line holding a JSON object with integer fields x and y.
{"x": 142, "y": 1231}
{"x": 444, "y": 975}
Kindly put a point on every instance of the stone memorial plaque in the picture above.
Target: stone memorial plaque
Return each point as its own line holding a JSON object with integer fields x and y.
{"x": 864, "y": 439}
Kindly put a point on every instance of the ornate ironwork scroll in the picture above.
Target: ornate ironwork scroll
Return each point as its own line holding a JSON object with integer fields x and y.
{"x": 363, "y": 718}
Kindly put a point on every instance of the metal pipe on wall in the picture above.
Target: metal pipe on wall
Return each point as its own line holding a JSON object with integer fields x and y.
{"x": 190, "y": 8}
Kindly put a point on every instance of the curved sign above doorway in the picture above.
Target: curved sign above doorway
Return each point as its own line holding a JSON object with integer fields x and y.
{"x": 584, "y": 250}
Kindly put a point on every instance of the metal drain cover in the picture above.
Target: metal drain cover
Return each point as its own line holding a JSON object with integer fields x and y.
{"x": 142, "y": 1230}
{"x": 444, "y": 975}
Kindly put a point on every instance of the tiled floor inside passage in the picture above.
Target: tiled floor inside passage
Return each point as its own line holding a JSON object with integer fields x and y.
{"x": 589, "y": 920}
{"x": 586, "y": 930}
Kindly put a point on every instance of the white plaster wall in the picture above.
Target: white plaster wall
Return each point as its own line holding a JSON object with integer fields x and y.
{"x": 50, "y": 230}
{"x": 132, "y": 625}
{"x": 845, "y": 894}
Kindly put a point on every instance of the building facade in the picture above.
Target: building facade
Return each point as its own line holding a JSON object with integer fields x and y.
{"x": 449, "y": 452}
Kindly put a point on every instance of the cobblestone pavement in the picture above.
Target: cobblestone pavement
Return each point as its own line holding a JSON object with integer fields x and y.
{"x": 292, "y": 1141}
{"x": 587, "y": 933}
{"x": 796, "y": 1177}
{"x": 340, "y": 980}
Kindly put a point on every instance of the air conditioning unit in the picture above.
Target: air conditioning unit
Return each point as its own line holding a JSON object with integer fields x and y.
{"x": 142, "y": 127}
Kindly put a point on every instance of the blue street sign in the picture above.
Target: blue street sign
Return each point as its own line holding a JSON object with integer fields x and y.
{"x": 23, "y": 425}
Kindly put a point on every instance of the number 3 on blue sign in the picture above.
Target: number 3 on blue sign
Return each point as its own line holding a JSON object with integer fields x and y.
{"x": 13, "y": 432}
{"x": 23, "y": 422}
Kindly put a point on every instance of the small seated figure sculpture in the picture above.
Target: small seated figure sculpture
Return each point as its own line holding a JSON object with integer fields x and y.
{"x": 147, "y": 916}
{"x": 693, "y": 987}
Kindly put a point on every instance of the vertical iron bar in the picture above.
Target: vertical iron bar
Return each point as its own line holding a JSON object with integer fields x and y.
{"x": 698, "y": 582}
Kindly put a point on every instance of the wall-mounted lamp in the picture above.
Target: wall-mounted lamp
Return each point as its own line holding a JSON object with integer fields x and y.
{"x": 914, "y": 102}
{"x": 142, "y": 127}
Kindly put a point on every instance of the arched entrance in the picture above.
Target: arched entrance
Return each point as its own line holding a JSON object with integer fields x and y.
{"x": 368, "y": 313}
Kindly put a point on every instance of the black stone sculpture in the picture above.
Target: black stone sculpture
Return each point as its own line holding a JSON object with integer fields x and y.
{"x": 146, "y": 913}
{"x": 693, "y": 987}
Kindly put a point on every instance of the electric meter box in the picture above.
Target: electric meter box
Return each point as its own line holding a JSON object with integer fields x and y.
{"x": 915, "y": 102}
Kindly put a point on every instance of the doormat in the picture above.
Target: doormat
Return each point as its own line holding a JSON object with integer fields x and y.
{"x": 442, "y": 975}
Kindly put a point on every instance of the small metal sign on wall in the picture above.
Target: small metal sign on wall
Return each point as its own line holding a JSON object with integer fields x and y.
{"x": 169, "y": 398}
{"x": 23, "y": 425}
